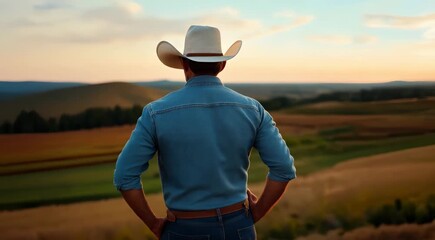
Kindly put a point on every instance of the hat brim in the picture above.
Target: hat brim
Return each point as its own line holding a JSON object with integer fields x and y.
{"x": 171, "y": 57}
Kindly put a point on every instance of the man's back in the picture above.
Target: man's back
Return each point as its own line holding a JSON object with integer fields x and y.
{"x": 205, "y": 133}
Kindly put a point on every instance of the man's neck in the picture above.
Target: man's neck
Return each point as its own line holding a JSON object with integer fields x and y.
{"x": 188, "y": 77}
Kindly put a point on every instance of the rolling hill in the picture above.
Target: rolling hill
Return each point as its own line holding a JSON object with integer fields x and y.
{"x": 76, "y": 99}
{"x": 52, "y": 99}
{"x": 11, "y": 89}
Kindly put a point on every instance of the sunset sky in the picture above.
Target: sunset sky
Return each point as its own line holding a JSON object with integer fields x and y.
{"x": 283, "y": 41}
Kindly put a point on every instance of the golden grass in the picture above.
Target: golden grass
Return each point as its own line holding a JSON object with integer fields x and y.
{"x": 105, "y": 219}
{"x": 384, "y": 232}
{"x": 354, "y": 184}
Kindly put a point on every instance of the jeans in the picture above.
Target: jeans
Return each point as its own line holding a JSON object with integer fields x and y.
{"x": 232, "y": 226}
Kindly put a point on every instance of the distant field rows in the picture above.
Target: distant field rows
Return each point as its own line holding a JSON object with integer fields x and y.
{"x": 32, "y": 152}
{"x": 391, "y": 107}
{"x": 19, "y": 148}
{"x": 95, "y": 181}
{"x": 23, "y": 153}
{"x": 76, "y": 166}
{"x": 378, "y": 125}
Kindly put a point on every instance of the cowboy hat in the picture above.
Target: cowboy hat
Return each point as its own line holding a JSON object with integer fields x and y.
{"x": 202, "y": 44}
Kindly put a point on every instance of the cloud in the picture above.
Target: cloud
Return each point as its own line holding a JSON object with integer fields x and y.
{"x": 284, "y": 27}
{"x": 131, "y": 7}
{"x": 430, "y": 34}
{"x": 51, "y": 5}
{"x": 288, "y": 20}
{"x": 285, "y": 14}
{"x": 125, "y": 20}
{"x": 343, "y": 39}
{"x": 227, "y": 18}
{"x": 331, "y": 39}
{"x": 119, "y": 22}
{"x": 365, "y": 39}
{"x": 401, "y": 22}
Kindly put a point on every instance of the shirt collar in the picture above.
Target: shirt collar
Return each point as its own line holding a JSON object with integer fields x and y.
{"x": 203, "y": 80}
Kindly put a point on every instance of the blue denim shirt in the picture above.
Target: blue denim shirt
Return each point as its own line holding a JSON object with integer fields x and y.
{"x": 203, "y": 134}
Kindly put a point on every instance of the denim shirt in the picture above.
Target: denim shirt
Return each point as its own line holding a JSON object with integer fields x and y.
{"x": 203, "y": 134}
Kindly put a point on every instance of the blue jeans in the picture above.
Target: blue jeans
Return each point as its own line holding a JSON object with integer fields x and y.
{"x": 231, "y": 226}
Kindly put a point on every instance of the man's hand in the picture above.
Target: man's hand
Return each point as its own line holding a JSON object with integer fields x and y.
{"x": 157, "y": 227}
{"x": 256, "y": 215}
{"x": 273, "y": 190}
{"x": 135, "y": 198}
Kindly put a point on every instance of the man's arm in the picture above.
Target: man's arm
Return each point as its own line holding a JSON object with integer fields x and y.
{"x": 272, "y": 192}
{"x": 132, "y": 162}
{"x": 276, "y": 155}
{"x": 135, "y": 198}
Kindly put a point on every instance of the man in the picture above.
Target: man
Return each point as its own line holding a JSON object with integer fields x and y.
{"x": 203, "y": 134}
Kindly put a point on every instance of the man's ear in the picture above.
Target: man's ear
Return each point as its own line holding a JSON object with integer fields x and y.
{"x": 223, "y": 64}
{"x": 185, "y": 63}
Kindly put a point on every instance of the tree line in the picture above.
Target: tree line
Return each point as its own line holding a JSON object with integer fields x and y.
{"x": 32, "y": 122}
{"x": 363, "y": 95}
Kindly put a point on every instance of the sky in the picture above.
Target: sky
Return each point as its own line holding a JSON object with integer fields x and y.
{"x": 291, "y": 41}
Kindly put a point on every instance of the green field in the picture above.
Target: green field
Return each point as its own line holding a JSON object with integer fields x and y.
{"x": 312, "y": 153}
{"x": 41, "y": 169}
{"x": 395, "y": 107}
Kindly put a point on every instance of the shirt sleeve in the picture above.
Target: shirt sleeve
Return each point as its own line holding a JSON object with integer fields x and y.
{"x": 134, "y": 157}
{"x": 273, "y": 149}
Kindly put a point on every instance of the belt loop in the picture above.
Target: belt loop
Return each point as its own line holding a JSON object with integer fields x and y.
{"x": 170, "y": 216}
{"x": 218, "y": 211}
{"x": 246, "y": 205}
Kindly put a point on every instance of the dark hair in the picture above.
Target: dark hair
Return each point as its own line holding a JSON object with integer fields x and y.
{"x": 202, "y": 68}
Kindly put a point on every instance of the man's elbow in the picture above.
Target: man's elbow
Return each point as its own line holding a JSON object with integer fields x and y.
{"x": 283, "y": 172}
{"x": 124, "y": 182}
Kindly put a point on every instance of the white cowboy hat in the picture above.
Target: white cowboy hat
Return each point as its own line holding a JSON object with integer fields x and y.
{"x": 202, "y": 44}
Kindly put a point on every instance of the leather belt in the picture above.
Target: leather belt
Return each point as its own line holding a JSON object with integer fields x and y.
{"x": 172, "y": 215}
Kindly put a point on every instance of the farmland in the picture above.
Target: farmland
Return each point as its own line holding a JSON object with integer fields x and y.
{"x": 350, "y": 186}
{"x": 65, "y": 167}
{"x": 346, "y": 164}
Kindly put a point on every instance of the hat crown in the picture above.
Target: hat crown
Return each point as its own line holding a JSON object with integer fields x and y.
{"x": 202, "y": 39}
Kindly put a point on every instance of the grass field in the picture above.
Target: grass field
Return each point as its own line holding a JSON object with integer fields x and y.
{"x": 355, "y": 185}
{"x": 345, "y": 163}
{"x": 84, "y": 165}
{"x": 403, "y": 232}
{"x": 350, "y": 188}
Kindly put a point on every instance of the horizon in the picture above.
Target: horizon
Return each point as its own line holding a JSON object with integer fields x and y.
{"x": 288, "y": 41}
{"x": 183, "y": 81}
